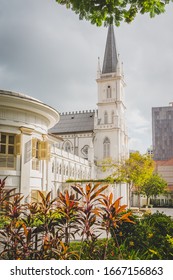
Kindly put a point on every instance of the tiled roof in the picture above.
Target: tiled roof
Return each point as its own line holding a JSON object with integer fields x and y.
{"x": 74, "y": 122}
{"x": 170, "y": 188}
{"x": 168, "y": 162}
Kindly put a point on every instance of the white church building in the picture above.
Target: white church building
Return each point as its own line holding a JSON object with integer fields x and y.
{"x": 40, "y": 148}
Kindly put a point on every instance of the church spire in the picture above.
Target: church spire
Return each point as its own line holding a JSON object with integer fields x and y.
{"x": 110, "y": 57}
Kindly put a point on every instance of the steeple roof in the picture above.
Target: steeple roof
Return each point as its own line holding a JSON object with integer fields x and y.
{"x": 110, "y": 57}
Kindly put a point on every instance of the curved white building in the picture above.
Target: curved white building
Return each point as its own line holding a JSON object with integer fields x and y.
{"x": 29, "y": 156}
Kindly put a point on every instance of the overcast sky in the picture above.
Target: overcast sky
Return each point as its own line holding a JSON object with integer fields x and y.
{"x": 48, "y": 53}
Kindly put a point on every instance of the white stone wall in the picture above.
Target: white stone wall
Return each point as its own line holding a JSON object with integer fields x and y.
{"x": 50, "y": 174}
{"x": 30, "y": 173}
{"x": 77, "y": 141}
{"x": 65, "y": 166}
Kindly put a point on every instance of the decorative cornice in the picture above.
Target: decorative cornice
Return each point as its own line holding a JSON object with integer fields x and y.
{"x": 77, "y": 112}
{"x": 26, "y": 130}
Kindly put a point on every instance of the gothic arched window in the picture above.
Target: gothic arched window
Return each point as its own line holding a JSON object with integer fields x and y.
{"x": 105, "y": 117}
{"x": 53, "y": 166}
{"x": 67, "y": 147}
{"x": 109, "y": 93}
{"x": 106, "y": 147}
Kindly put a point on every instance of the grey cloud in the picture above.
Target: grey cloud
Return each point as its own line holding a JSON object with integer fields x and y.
{"x": 46, "y": 52}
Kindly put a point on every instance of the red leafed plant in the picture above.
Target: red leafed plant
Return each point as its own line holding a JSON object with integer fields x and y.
{"x": 112, "y": 215}
{"x": 43, "y": 230}
{"x": 89, "y": 210}
{"x": 68, "y": 223}
{"x": 5, "y": 195}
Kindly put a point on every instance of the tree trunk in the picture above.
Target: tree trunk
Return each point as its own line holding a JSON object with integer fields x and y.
{"x": 139, "y": 202}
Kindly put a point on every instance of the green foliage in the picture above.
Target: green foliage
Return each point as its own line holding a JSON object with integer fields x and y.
{"x": 95, "y": 249}
{"x": 106, "y": 180}
{"x": 111, "y": 11}
{"x": 4, "y": 221}
{"x": 43, "y": 230}
{"x": 136, "y": 170}
{"x": 155, "y": 185}
{"x": 170, "y": 240}
{"x": 150, "y": 237}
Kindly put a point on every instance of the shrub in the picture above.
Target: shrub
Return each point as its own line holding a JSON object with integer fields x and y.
{"x": 3, "y": 221}
{"x": 95, "y": 249}
{"x": 45, "y": 230}
{"x": 150, "y": 237}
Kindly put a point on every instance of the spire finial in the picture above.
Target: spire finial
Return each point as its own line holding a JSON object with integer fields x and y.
{"x": 98, "y": 69}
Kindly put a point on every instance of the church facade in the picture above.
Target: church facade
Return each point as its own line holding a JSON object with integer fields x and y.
{"x": 41, "y": 149}
{"x": 101, "y": 134}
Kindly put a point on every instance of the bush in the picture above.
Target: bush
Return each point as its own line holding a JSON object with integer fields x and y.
{"x": 150, "y": 237}
{"x": 3, "y": 221}
{"x": 46, "y": 230}
{"x": 95, "y": 250}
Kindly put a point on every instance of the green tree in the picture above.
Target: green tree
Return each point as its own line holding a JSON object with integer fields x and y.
{"x": 135, "y": 171}
{"x": 155, "y": 185}
{"x": 114, "y": 11}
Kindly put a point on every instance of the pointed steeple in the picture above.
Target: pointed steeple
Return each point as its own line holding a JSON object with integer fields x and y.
{"x": 110, "y": 57}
